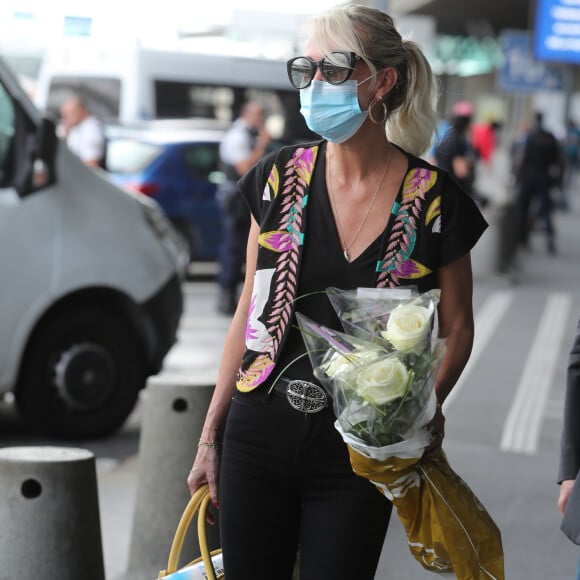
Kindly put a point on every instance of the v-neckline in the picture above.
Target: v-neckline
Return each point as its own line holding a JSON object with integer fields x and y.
{"x": 380, "y": 238}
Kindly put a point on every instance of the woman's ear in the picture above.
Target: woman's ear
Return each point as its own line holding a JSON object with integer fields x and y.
{"x": 389, "y": 79}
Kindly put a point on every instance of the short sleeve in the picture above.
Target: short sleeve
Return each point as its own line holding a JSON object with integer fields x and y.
{"x": 235, "y": 146}
{"x": 87, "y": 141}
{"x": 462, "y": 222}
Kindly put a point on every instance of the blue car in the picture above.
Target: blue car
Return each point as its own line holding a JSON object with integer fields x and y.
{"x": 176, "y": 164}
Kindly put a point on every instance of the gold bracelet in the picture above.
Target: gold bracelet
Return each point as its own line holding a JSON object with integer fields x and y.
{"x": 212, "y": 444}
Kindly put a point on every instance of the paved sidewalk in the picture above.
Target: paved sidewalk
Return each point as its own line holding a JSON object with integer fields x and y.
{"x": 118, "y": 480}
{"x": 117, "y": 487}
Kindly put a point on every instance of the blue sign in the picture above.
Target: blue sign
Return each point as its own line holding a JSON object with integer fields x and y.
{"x": 77, "y": 26}
{"x": 521, "y": 72}
{"x": 557, "y": 30}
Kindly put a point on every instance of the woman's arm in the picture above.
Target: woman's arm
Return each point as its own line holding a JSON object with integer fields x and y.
{"x": 206, "y": 465}
{"x": 455, "y": 322}
{"x": 456, "y": 326}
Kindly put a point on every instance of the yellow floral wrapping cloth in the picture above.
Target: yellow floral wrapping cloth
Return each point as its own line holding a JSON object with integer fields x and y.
{"x": 448, "y": 529}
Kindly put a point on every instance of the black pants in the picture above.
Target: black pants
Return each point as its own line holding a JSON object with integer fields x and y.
{"x": 528, "y": 195}
{"x": 286, "y": 482}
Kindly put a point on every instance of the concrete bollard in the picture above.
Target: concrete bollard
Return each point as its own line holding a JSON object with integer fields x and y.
{"x": 173, "y": 416}
{"x": 49, "y": 509}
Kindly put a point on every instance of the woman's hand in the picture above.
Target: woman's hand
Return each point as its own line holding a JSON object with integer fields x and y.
{"x": 205, "y": 470}
{"x": 565, "y": 491}
{"x": 437, "y": 428}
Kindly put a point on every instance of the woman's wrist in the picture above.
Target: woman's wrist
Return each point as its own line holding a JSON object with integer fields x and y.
{"x": 210, "y": 437}
{"x": 211, "y": 444}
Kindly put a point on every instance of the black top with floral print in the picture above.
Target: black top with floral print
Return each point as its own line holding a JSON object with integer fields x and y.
{"x": 433, "y": 222}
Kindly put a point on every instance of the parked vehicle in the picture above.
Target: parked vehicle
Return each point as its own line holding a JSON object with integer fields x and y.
{"x": 91, "y": 281}
{"x": 131, "y": 85}
{"x": 176, "y": 164}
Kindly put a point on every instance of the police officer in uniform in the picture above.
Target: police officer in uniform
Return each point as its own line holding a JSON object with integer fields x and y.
{"x": 243, "y": 145}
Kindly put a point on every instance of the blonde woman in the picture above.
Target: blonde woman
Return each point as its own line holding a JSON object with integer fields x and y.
{"x": 357, "y": 208}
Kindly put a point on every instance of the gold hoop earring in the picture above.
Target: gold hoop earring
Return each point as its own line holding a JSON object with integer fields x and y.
{"x": 385, "y": 112}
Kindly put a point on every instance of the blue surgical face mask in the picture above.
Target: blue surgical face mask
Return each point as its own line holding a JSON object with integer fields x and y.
{"x": 332, "y": 111}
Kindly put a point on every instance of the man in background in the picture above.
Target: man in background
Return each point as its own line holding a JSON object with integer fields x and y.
{"x": 537, "y": 168}
{"x": 455, "y": 152}
{"x": 243, "y": 145}
{"x": 82, "y": 131}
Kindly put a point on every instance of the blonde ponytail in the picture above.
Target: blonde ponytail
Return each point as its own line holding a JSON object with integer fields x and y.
{"x": 412, "y": 124}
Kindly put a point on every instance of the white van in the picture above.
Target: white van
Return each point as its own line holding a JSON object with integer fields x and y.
{"x": 129, "y": 85}
{"x": 91, "y": 281}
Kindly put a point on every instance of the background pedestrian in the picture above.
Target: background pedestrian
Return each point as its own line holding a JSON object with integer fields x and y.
{"x": 82, "y": 131}
{"x": 241, "y": 148}
{"x": 537, "y": 166}
{"x": 455, "y": 152}
{"x": 483, "y": 138}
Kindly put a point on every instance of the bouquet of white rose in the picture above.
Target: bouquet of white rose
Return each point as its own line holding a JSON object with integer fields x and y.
{"x": 380, "y": 374}
{"x": 398, "y": 318}
{"x": 381, "y": 381}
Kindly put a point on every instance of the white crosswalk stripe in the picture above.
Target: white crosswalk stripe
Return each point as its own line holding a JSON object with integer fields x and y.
{"x": 530, "y": 405}
{"x": 487, "y": 320}
{"x": 522, "y": 428}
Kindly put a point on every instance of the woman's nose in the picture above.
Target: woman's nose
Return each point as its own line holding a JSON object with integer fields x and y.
{"x": 317, "y": 74}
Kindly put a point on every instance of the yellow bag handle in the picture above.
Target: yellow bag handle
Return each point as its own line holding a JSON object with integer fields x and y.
{"x": 198, "y": 503}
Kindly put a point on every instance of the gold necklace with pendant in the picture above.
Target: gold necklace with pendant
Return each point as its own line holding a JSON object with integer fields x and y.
{"x": 334, "y": 207}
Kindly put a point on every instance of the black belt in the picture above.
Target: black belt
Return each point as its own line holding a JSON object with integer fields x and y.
{"x": 304, "y": 396}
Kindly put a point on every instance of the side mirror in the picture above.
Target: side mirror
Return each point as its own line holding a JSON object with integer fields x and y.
{"x": 38, "y": 152}
{"x": 44, "y": 167}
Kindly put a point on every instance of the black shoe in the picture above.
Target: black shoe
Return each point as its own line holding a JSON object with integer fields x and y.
{"x": 551, "y": 246}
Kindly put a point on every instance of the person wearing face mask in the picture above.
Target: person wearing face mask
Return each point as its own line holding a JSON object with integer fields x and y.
{"x": 357, "y": 208}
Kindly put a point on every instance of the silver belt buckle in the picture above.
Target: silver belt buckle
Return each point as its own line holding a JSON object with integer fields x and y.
{"x": 305, "y": 397}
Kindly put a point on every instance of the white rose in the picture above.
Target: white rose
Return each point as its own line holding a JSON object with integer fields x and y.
{"x": 408, "y": 326}
{"x": 339, "y": 363}
{"x": 382, "y": 381}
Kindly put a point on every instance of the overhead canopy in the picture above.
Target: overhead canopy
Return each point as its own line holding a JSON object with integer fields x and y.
{"x": 473, "y": 17}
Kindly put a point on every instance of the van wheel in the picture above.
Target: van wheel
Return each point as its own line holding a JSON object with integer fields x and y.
{"x": 81, "y": 374}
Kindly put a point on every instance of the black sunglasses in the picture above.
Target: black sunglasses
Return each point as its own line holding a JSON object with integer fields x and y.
{"x": 301, "y": 69}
